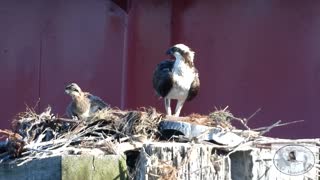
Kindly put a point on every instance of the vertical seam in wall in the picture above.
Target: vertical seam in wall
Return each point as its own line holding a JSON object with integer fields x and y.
{"x": 171, "y": 22}
{"x": 124, "y": 64}
{"x": 39, "y": 75}
{"x": 124, "y": 68}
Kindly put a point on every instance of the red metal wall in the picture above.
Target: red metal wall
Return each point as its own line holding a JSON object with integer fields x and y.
{"x": 19, "y": 58}
{"x": 250, "y": 54}
{"x": 44, "y": 45}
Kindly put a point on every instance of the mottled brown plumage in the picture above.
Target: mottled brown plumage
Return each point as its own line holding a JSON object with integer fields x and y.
{"x": 83, "y": 104}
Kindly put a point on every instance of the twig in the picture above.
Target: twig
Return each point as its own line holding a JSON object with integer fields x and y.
{"x": 243, "y": 122}
{"x": 287, "y": 141}
{"x": 252, "y": 115}
{"x": 67, "y": 120}
{"x": 225, "y": 108}
{"x": 278, "y": 125}
{"x": 38, "y": 150}
{"x": 270, "y": 127}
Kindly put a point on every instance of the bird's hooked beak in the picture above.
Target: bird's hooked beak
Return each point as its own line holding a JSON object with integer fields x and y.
{"x": 170, "y": 51}
{"x": 181, "y": 50}
{"x": 67, "y": 91}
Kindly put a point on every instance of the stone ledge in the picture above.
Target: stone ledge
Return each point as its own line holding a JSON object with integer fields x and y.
{"x": 67, "y": 168}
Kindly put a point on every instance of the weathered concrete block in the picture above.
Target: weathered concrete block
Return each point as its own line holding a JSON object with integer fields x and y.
{"x": 199, "y": 161}
{"x": 48, "y": 168}
{"x": 67, "y": 168}
{"x": 258, "y": 164}
{"x": 181, "y": 161}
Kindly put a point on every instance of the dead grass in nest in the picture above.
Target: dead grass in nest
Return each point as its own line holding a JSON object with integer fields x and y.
{"x": 144, "y": 122}
{"x": 48, "y": 134}
{"x": 218, "y": 118}
{"x": 222, "y": 115}
{"x": 200, "y": 119}
{"x": 105, "y": 129}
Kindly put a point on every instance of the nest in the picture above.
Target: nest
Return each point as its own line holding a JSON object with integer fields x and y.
{"x": 109, "y": 131}
{"x": 34, "y": 135}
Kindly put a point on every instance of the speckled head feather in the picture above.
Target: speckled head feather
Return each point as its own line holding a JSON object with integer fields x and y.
{"x": 73, "y": 89}
{"x": 182, "y": 51}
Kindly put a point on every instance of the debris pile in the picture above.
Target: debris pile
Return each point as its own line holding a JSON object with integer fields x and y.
{"x": 36, "y": 135}
{"x": 113, "y": 131}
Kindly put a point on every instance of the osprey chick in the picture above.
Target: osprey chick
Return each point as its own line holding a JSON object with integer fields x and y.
{"x": 178, "y": 79}
{"x": 83, "y": 104}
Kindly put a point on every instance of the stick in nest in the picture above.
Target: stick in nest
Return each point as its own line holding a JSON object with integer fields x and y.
{"x": 226, "y": 116}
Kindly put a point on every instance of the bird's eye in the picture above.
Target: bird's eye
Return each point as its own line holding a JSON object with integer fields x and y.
{"x": 178, "y": 50}
{"x": 174, "y": 49}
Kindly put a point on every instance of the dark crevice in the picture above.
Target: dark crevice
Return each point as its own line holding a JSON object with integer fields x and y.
{"x": 131, "y": 160}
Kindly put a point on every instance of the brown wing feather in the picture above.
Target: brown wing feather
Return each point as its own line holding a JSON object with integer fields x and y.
{"x": 162, "y": 78}
{"x": 96, "y": 102}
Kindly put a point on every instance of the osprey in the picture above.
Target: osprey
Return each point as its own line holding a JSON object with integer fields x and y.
{"x": 83, "y": 104}
{"x": 178, "y": 79}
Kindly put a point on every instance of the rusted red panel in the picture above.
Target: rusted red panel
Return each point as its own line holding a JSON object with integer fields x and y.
{"x": 82, "y": 42}
{"x": 19, "y": 58}
{"x": 250, "y": 55}
{"x": 46, "y": 44}
{"x": 148, "y": 37}
{"x": 255, "y": 54}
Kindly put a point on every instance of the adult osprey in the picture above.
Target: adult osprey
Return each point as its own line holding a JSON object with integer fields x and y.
{"x": 83, "y": 104}
{"x": 177, "y": 79}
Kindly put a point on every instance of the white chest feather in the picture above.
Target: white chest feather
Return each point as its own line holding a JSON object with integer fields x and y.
{"x": 183, "y": 77}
